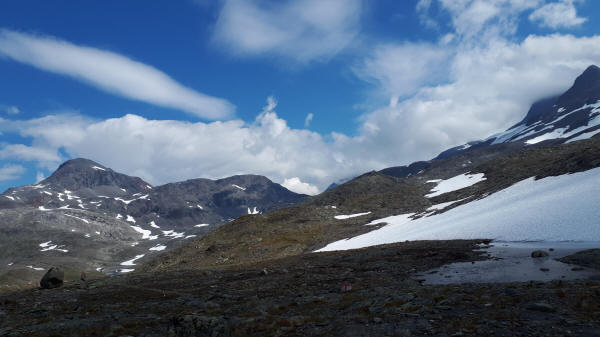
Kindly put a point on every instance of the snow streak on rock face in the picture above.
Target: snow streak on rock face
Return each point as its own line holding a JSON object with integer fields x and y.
{"x": 348, "y": 216}
{"x": 561, "y": 208}
{"x": 454, "y": 183}
{"x": 132, "y": 261}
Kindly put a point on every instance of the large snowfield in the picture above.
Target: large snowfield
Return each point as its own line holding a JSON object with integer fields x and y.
{"x": 561, "y": 208}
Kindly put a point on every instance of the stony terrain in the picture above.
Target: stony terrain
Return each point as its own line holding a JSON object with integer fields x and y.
{"x": 311, "y": 225}
{"x": 302, "y": 296}
{"x": 87, "y": 217}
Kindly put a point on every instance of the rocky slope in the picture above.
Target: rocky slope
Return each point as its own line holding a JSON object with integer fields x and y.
{"x": 303, "y": 296}
{"x": 86, "y": 216}
{"x": 343, "y": 211}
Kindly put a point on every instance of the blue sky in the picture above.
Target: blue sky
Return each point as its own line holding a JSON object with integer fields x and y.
{"x": 305, "y": 92}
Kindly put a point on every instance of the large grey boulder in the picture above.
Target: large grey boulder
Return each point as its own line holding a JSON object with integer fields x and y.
{"x": 53, "y": 278}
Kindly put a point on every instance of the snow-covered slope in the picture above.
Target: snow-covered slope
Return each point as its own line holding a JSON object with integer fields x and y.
{"x": 550, "y": 209}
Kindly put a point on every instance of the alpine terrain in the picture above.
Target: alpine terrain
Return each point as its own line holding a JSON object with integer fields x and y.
{"x": 87, "y": 217}
{"x": 244, "y": 256}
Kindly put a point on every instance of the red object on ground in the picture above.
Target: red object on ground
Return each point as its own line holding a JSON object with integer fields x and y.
{"x": 346, "y": 287}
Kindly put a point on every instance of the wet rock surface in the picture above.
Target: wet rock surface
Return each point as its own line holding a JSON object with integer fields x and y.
{"x": 587, "y": 258}
{"x": 302, "y": 296}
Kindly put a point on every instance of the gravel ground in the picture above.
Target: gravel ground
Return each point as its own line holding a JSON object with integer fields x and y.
{"x": 303, "y": 296}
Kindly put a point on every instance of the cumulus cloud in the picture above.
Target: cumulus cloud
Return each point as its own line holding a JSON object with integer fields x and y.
{"x": 296, "y": 185}
{"x": 485, "y": 82}
{"x": 110, "y": 72}
{"x": 163, "y": 151}
{"x": 562, "y": 14}
{"x": 11, "y": 172}
{"x": 308, "y": 119}
{"x": 303, "y": 30}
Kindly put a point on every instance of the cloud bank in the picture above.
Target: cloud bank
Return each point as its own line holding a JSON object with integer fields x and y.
{"x": 110, "y": 72}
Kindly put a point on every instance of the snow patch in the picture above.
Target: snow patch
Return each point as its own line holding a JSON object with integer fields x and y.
{"x": 560, "y": 208}
{"x": 158, "y": 248}
{"x": 146, "y": 234}
{"x": 132, "y": 261}
{"x": 98, "y": 168}
{"x": 130, "y": 219}
{"x": 585, "y": 135}
{"x": 153, "y": 224}
{"x": 202, "y": 225}
{"x": 238, "y": 187}
{"x": 78, "y": 218}
{"x": 348, "y": 216}
{"x": 42, "y": 208}
{"x": 253, "y": 211}
{"x": 173, "y": 234}
{"x": 9, "y": 197}
{"x": 455, "y": 183}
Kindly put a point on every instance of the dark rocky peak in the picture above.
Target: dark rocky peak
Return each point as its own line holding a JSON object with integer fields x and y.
{"x": 543, "y": 109}
{"x": 84, "y": 174}
{"x": 585, "y": 90}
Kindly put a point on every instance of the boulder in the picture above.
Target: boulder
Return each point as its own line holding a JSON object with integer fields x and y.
{"x": 53, "y": 278}
{"x": 539, "y": 253}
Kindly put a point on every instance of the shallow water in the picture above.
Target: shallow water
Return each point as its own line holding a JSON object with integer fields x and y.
{"x": 512, "y": 262}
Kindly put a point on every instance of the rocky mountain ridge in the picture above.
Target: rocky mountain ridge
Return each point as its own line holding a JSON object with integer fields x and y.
{"x": 93, "y": 218}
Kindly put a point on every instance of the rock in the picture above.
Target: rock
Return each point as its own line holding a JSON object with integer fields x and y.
{"x": 539, "y": 253}
{"x": 577, "y": 269}
{"x": 53, "y": 278}
{"x": 199, "y": 326}
{"x": 544, "y": 269}
{"x": 541, "y": 306}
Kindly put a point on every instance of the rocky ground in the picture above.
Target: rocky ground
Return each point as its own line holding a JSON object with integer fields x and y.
{"x": 302, "y": 296}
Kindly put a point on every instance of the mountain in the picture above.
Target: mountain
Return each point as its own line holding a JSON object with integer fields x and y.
{"x": 483, "y": 183}
{"x": 572, "y": 116}
{"x": 89, "y": 217}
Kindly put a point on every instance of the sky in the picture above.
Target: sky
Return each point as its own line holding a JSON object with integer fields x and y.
{"x": 305, "y": 92}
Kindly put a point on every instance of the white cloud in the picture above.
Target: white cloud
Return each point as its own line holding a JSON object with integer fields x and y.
{"x": 303, "y": 30}
{"x": 479, "y": 18}
{"x": 110, "y": 72}
{"x": 296, "y": 185}
{"x": 401, "y": 69}
{"x": 308, "y": 119}
{"x": 562, "y": 14}
{"x": 39, "y": 177}
{"x": 489, "y": 87}
{"x": 11, "y": 172}
{"x": 163, "y": 151}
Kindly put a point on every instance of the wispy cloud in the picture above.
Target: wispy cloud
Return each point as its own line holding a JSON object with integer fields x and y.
{"x": 10, "y": 109}
{"x": 11, "y": 172}
{"x": 303, "y": 30}
{"x": 308, "y": 119}
{"x": 110, "y": 72}
{"x": 562, "y": 14}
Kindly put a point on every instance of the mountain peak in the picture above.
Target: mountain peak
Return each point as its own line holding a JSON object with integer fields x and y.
{"x": 80, "y": 163}
{"x": 590, "y": 77}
